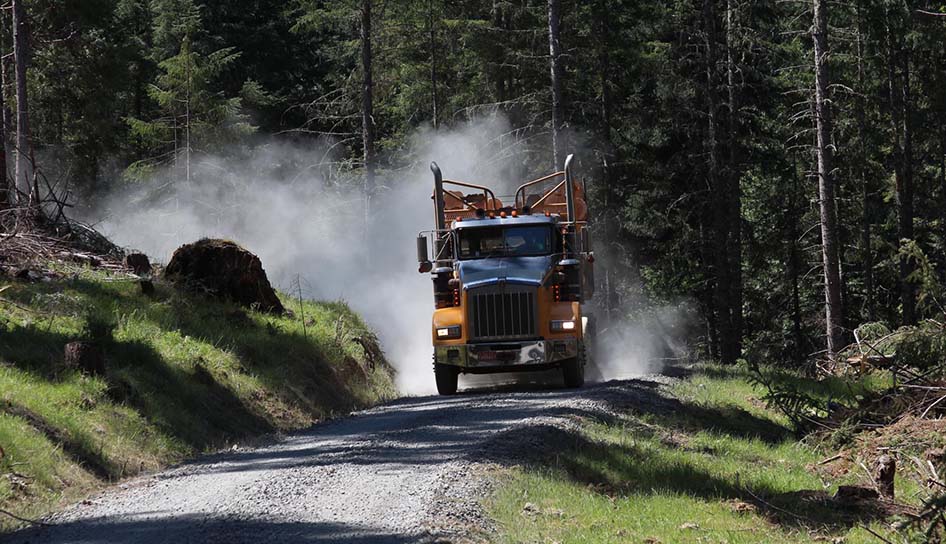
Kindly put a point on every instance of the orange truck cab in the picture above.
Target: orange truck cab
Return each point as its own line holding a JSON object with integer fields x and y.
{"x": 509, "y": 282}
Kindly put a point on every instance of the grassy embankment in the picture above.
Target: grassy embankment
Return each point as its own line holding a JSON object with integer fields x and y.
{"x": 184, "y": 375}
{"x": 717, "y": 467}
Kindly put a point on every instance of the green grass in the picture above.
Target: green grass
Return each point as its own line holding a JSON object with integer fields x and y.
{"x": 708, "y": 463}
{"x": 183, "y": 375}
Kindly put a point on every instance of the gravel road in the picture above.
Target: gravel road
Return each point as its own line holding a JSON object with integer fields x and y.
{"x": 409, "y": 471}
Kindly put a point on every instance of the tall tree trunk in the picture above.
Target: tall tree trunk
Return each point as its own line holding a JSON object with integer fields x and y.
{"x": 720, "y": 223}
{"x": 497, "y": 52}
{"x": 432, "y": 35}
{"x": 555, "y": 68}
{"x": 187, "y": 112}
{"x": 942, "y": 178}
{"x": 367, "y": 113}
{"x": 734, "y": 197}
{"x": 898, "y": 98}
{"x": 707, "y": 292}
{"x": 609, "y": 220}
{"x": 24, "y": 166}
{"x": 905, "y": 193}
{"x": 825, "y": 155}
{"x": 867, "y": 254}
{"x": 5, "y": 79}
{"x": 794, "y": 267}
{"x": 6, "y": 196}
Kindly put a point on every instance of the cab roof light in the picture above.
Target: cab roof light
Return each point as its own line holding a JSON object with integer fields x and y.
{"x": 515, "y": 213}
{"x": 502, "y": 214}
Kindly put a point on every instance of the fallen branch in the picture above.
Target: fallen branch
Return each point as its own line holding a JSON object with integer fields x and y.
{"x": 772, "y": 506}
{"x": 16, "y": 305}
{"x": 871, "y": 531}
{"x": 25, "y": 520}
{"x": 829, "y": 459}
{"x": 931, "y": 406}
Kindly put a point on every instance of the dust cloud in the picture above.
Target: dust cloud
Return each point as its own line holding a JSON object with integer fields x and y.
{"x": 630, "y": 347}
{"x": 303, "y": 213}
{"x": 290, "y": 205}
{"x": 636, "y": 335}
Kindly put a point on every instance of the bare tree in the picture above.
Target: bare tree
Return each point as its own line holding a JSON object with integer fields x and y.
{"x": 24, "y": 174}
{"x": 732, "y": 251}
{"x": 367, "y": 113}
{"x": 6, "y": 196}
{"x": 603, "y": 29}
{"x": 555, "y": 67}
{"x": 867, "y": 254}
{"x": 499, "y": 70}
{"x": 432, "y": 44}
{"x": 825, "y": 157}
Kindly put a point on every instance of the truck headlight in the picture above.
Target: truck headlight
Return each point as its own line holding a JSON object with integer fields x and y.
{"x": 446, "y": 333}
{"x": 559, "y": 326}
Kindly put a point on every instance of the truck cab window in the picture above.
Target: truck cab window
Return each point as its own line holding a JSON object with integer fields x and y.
{"x": 478, "y": 243}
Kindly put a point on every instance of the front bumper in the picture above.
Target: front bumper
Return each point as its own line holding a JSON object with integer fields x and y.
{"x": 507, "y": 354}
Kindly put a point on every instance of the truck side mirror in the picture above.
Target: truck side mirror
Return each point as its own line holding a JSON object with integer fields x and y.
{"x": 585, "y": 240}
{"x": 423, "y": 258}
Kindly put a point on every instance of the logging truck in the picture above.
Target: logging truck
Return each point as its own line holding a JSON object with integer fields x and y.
{"x": 509, "y": 281}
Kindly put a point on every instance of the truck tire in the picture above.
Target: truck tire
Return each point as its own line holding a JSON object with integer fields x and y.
{"x": 573, "y": 370}
{"x": 446, "y": 376}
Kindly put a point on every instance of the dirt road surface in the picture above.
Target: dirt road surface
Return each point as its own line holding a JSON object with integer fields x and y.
{"x": 409, "y": 471}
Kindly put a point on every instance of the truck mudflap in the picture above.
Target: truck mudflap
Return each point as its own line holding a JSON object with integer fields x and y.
{"x": 507, "y": 354}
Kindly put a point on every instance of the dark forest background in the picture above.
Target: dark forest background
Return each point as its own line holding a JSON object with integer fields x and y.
{"x": 720, "y": 148}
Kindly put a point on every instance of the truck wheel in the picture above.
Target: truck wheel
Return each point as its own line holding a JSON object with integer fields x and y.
{"x": 573, "y": 370}
{"x": 446, "y": 376}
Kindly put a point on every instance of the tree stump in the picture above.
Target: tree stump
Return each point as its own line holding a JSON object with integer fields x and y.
{"x": 138, "y": 263}
{"x": 223, "y": 269}
{"x": 141, "y": 266}
{"x": 86, "y": 357}
{"x": 885, "y": 471}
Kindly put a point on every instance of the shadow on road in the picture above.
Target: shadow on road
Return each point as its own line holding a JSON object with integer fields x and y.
{"x": 413, "y": 431}
{"x": 431, "y": 430}
{"x": 199, "y": 529}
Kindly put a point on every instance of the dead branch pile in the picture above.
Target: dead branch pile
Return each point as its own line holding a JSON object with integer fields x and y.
{"x": 34, "y": 241}
{"x": 918, "y": 398}
{"x": 907, "y": 420}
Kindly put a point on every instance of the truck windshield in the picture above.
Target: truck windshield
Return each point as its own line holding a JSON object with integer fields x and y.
{"x": 477, "y": 243}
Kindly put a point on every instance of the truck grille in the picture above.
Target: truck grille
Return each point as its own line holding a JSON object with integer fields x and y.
{"x": 499, "y": 313}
